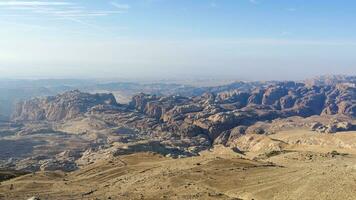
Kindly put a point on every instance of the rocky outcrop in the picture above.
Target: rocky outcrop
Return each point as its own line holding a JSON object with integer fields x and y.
{"x": 256, "y": 96}
{"x": 219, "y": 115}
{"x": 153, "y": 106}
{"x": 235, "y": 96}
{"x": 312, "y": 104}
{"x": 191, "y": 130}
{"x": 221, "y": 122}
{"x": 331, "y": 128}
{"x": 331, "y": 80}
{"x": 280, "y": 99}
{"x": 287, "y": 101}
{"x": 273, "y": 95}
{"x": 53, "y": 165}
{"x": 61, "y": 107}
{"x": 139, "y": 101}
{"x": 34, "y": 198}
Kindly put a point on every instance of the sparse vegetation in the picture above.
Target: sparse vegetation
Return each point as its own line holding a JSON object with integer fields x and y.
{"x": 9, "y": 174}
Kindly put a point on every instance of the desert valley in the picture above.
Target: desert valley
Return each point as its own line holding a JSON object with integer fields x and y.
{"x": 244, "y": 140}
{"x": 177, "y": 100}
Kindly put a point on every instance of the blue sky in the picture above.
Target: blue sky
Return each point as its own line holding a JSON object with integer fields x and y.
{"x": 242, "y": 39}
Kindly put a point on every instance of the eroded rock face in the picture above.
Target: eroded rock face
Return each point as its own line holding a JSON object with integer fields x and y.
{"x": 139, "y": 101}
{"x": 331, "y": 127}
{"x": 234, "y": 97}
{"x": 288, "y": 101}
{"x": 64, "y": 106}
{"x": 220, "y": 117}
{"x": 184, "y": 109}
{"x": 311, "y": 104}
{"x": 273, "y": 95}
{"x": 219, "y": 114}
{"x": 153, "y": 106}
{"x": 347, "y": 107}
{"x": 256, "y": 96}
{"x": 221, "y": 122}
{"x": 63, "y": 165}
{"x": 344, "y": 126}
{"x": 191, "y": 130}
{"x": 223, "y": 138}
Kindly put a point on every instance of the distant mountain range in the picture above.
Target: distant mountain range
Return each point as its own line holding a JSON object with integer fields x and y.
{"x": 16, "y": 90}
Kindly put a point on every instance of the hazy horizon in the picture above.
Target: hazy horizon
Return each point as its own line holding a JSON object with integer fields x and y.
{"x": 160, "y": 39}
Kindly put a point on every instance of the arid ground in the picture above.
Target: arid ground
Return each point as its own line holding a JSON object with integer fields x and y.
{"x": 304, "y": 169}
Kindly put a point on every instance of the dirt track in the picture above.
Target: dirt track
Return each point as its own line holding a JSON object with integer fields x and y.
{"x": 300, "y": 172}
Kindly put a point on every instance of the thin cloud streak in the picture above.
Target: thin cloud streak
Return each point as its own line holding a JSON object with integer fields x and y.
{"x": 60, "y": 9}
{"x": 120, "y": 6}
{"x": 63, "y": 10}
{"x": 274, "y": 41}
{"x": 77, "y": 13}
{"x": 34, "y": 3}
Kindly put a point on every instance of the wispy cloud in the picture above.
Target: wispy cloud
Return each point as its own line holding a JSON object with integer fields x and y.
{"x": 34, "y": 3}
{"x": 279, "y": 41}
{"x": 63, "y": 10}
{"x": 120, "y": 6}
{"x": 76, "y": 13}
{"x": 60, "y": 8}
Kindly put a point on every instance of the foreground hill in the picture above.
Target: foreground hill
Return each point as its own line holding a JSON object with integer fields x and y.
{"x": 300, "y": 171}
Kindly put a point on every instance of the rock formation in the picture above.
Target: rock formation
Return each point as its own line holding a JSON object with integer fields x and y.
{"x": 64, "y": 106}
{"x": 172, "y": 125}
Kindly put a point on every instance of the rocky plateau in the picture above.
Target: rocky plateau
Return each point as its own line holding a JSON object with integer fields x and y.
{"x": 73, "y": 130}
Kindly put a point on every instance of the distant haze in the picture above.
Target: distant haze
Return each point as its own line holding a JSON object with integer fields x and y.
{"x": 158, "y": 39}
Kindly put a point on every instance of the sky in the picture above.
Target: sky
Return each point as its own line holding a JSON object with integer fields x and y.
{"x": 164, "y": 39}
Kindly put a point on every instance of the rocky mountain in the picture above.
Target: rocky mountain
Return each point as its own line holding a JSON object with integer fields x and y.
{"x": 285, "y": 98}
{"x": 75, "y": 128}
{"x": 61, "y": 107}
{"x": 15, "y": 91}
{"x": 216, "y": 115}
{"x": 331, "y": 80}
{"x": 210, "y": 114}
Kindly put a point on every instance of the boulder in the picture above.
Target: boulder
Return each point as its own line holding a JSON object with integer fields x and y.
{"x": 236, "y": 132}
{"x": 331, "y": 128}
{"x": 184, "y": 109}
{"x": 258, "y": 128}
{"x": 315, "y": 126}
{"x": 191, "y": 130}
{"x": 34, "y": 198}
{"x": 344, "y": 126}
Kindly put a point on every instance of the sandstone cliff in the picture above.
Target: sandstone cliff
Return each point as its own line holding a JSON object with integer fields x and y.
{"x": 64, "y": 106}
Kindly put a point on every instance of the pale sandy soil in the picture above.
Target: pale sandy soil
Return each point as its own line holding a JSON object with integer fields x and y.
{"x": 305, "y": 169}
